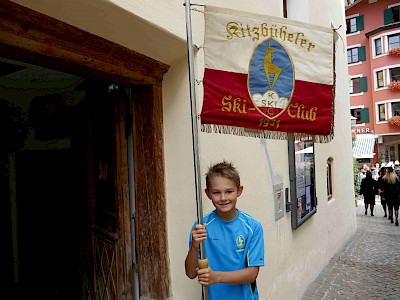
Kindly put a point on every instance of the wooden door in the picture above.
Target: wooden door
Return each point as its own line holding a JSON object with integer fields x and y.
{"x": 109, "y": 218}
{"x": 106, "y": 271}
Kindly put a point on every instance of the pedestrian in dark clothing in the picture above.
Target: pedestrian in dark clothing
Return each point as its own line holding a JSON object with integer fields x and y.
{"x": 397, "y": 168}
{"x": 391, "y": 188}
{"x": 382, "y": 172}
{"x": 369, "y": 189}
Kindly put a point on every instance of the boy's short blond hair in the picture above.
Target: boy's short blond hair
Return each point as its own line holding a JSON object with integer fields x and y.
{"x": 224, "y": 169}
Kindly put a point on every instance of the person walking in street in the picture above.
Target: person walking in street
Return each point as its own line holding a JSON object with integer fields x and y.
{"x": 369, "y": 190}
{"x": 375, "y": 173}
{"x": 381, "y": 194}
{"x": 391, "y": 188}
{"x": 361, "y": 175}
{"x": 397, "y": 168}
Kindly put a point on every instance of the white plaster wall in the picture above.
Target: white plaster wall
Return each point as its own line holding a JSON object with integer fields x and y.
{"x": 157, "y": 29}
{"x": 293, "y": 258}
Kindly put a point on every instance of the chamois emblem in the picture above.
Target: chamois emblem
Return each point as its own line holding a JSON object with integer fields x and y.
{"x": 271, "y": 78}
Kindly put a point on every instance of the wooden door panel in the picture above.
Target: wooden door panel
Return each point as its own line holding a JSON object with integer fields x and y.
{"x": 109, "y": 194}
{"x": 106, "y": 268}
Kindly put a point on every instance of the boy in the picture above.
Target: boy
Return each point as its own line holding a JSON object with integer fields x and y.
{"x": 233, "y": 241}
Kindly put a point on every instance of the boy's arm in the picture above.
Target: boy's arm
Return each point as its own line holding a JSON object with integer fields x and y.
{"x": 191, "y": 262}
{"x": 191, "y": 265}
{"x": 209, "y": 277}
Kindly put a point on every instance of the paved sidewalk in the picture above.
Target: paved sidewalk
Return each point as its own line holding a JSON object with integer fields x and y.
{"x": 367, "y": 267}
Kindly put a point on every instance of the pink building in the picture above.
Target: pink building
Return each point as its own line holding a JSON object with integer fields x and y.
{"x": 373, "y": 55}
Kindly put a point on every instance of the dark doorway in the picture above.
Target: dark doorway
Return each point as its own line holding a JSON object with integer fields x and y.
{"x": 48, "y": 42}
{"x": 49, "y": 197}
{"x": 43, "y": 179}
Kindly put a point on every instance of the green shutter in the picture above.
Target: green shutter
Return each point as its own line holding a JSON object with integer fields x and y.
{"x": 363, "y": 84}
{"x": 364, "y": 115}
{"x": 361, "y": 53}
{"x": 388, "y": 16}
{"x": 360, "y": 23}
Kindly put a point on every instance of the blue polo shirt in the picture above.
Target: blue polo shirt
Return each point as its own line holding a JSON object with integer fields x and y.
{"x": 233, "y": 245}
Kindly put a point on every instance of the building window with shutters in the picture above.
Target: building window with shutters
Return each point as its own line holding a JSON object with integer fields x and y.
{"x": 354, "y": 24}
{"x": 392, "y": 14}
{"x": 356, "y": 113}
{"x": 361, "y": 114}
{"x": 354, "y": 87}
{"x": 352, "y": 55}
{"x": 355, "y": 55}
{"x": 357, "y": 85}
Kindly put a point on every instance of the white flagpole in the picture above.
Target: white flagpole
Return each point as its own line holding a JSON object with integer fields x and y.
{"x": 203, "y": 263}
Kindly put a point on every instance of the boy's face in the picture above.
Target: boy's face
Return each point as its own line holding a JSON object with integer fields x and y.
{"x": 224, "y": 193}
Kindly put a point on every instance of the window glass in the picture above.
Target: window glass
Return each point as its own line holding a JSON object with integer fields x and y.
{"x": 379, "y": 79}
{"x": 391, "y": 153}
{"x": 396, "y": 109}
{"x": 394, "y": 74}
{"x": 396, "y": 13}
{"x": 302, "y": 178}
{"x": 351, "y": 25}
{"x": 356, "y": 112}
{"x": 378, "y": 47}
{"x": 352, "y": 55}
{"x": 394, "y": 41}
{"x": 381, "y": 112}
{"x": 354, "y": 87}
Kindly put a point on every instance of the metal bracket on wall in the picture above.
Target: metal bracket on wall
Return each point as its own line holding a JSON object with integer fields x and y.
{"x": 287, "y": 202}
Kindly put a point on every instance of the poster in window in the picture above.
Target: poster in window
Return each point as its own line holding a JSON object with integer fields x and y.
{"x": 302, "y": 178}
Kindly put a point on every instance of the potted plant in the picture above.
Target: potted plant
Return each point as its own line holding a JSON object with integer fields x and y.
{"x": 394, "y": 121}
{"x": 394, "y": 51}
{"x": 394, "y": 85}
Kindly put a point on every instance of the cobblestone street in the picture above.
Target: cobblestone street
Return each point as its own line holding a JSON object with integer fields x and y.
{"x": 367, "y": 266}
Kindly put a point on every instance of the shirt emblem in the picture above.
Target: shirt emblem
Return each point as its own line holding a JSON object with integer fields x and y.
{"x": 240, "y": 243}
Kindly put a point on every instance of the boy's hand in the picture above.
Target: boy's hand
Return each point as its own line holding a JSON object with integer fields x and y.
{"x": 199, "y": 234}
{"x": 207, "y": 276}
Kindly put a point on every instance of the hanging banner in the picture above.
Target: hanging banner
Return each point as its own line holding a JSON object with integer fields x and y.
{"x": 267, "y": 77}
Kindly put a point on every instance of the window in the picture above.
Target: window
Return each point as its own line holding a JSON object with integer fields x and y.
{"x": 354, "y": 24}
{"x": 394, "y": 41}
{"x": 329, "y": 177}
{"x": 361, "y": 114}
{"x": 378, "y": 47}
{"x": 354, "y": 87}
{"x": 358, "y": 85}
{"x": 392, "y": 15}
{"x": 394, "y": 74}
{"x": 302, "y": 181}
{"x": 391, "y": 153}
{"x": 352, "y": 55}
{"x": 351, "y": 25}
{"x": 395, "y": 109}
{"x": 356, "y": 113}
{"x": 355, "y": 55}
{"x": 379, "y": 79}
{"x": 381, "y": 112}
